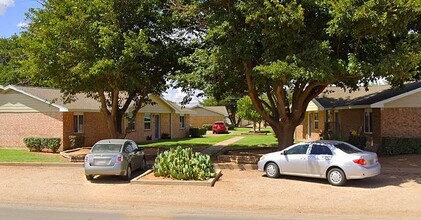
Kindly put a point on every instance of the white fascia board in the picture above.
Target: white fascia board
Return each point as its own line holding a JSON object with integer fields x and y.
{"x": 60, "y": 107}
{"x": 319, "y": 106}
{"x": 381, "y": 103}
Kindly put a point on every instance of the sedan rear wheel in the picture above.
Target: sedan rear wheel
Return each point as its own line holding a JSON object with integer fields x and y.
{"x": 128, "y": 175}
{"x": 336, "y": 177}
{"x": 272, "y": 170}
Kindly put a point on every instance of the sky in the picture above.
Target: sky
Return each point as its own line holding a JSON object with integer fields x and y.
{"x": 13, "y": 19}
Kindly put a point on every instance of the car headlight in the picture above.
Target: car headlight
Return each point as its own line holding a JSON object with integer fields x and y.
{"x": 262, "y": 157}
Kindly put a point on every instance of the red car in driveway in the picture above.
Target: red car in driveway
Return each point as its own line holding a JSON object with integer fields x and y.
{"x": 220, "y": 127}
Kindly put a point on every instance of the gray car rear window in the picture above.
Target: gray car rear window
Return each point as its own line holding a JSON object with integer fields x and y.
{"x": 106, "y": 148}
{"x": 347, "y": 148}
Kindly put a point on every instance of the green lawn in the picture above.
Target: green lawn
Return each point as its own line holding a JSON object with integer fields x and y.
{"x": 256, "y": 141}
{"x": 188, "y": 142}
{"x": 17, "y": 155}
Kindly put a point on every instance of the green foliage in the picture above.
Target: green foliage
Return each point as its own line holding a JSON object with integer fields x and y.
{"x": 396, "y": 146}
{"x": 247, "y": 111}
{"x": 182, "y": 164}
{"x": 51, "y": 143}
{"x": 115, "y": 51}
{"x": 291, "y": 50}
{"x": 196, "y": 132}
{"x": 208, "y": 127}
{"x": 76, "y": 141}
{"x": 33, "y": 143}
{"x": 38, "y": 144}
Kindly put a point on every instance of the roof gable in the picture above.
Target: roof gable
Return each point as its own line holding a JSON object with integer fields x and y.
{"x": 376, "y": 96}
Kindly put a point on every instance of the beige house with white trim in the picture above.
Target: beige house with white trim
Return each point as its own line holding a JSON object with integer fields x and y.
{"x": 41, "y": 112}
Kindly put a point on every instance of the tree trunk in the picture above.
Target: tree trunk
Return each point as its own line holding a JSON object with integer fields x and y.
{"x": 285, "y": 135}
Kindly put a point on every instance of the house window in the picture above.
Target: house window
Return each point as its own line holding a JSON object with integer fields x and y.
{"x": 368, "y": 121}
{"x": 182, "y": 121}
{"x": 316, "y": 120}
{"x": 147, "y": 121}
{"x": 78, "y": 123}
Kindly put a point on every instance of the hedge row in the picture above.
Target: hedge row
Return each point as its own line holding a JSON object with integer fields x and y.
{"x": 38, "y": 144}
{"x": 395, "y": 146}
{"x": 197, "y": 132}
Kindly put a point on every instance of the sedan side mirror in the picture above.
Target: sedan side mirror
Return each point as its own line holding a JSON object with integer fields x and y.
{"x": 283, "y": 153}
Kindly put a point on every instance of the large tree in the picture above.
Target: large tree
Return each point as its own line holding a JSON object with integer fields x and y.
{"x": 116, "y": 51}
{"x": 11, "y": 67}
{"x": 291, "y": 50}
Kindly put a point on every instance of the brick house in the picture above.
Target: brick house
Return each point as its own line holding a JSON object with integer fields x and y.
{"x": 380, "y": 112}
{"x": 40, "y": 112}
{"x": 208, "y": 115}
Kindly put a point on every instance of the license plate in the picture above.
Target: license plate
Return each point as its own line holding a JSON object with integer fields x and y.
{"x": 100, "y": 162}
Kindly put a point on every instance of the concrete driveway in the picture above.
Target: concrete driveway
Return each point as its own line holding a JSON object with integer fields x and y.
{"x": 237, "y": 195}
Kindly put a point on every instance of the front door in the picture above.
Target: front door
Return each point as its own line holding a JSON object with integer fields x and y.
{"x": 294, "y": 160}
{"x": 157, "y": 127}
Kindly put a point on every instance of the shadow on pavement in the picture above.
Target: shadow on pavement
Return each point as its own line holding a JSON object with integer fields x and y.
{"x": 380, "y": 181}
{"x": 116, "y": 179}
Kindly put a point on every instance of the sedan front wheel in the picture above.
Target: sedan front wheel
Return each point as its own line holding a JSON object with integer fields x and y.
{"x": 272, "y": 170}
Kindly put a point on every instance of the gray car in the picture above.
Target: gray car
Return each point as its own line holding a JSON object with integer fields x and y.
{"x": 336, "y": 161}
{"x": 114, "y": 157}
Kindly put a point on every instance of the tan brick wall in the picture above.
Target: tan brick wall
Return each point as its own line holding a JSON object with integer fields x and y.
{"x": 301, "y": 131}
{"x": 177, "y": 131}
{"x": 199, "y": 121}
{"x": 16, "y": 126}
{"x": 401, "y": 122}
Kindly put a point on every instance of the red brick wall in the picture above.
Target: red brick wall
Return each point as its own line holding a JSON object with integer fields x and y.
{"x": 349, "y": 120}
{"x": 401, "y": 122}
{"x": 95, "y": 127}
{"x": 16, "y": 126}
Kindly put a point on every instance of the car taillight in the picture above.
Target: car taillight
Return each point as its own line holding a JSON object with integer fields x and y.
{"x": 119, "y": 159}
{"x": 360, "y": 161}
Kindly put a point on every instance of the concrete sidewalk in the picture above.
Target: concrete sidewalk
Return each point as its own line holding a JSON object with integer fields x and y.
{"x": 218, "y": 147}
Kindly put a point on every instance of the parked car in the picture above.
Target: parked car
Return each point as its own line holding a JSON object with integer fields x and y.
{"x": 219, "y": 127}
{"x": 114, "y": 157}
{"x": 336, "y": 161}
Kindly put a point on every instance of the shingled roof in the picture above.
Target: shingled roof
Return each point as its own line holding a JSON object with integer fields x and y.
{"x": 336, "y": 97}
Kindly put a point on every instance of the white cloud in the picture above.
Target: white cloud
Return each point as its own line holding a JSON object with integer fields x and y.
{"x": 22, "y": 25}
{"x": 176, "y": 95}
{"x": 4, "y": 4}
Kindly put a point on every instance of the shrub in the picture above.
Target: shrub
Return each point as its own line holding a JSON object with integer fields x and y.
{"x": 51, "y": 143}
{"x": 396, "y": 145}
{"x": 76, "y": 141}
{"x": 195, "y": 132}
{"x": 33, "y": 143}
{"x": 231, "y": 127}
{"x": 208, "y": 127}
{"x": 183, "y": 164}
{"x": 165, "y": 136}
{"x": 202, "y": 131}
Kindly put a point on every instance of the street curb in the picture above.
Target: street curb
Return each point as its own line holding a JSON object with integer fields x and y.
{"x": 234, "y": 166}
{"x": 40, "y": 164}
{"x": 209, "y": 182}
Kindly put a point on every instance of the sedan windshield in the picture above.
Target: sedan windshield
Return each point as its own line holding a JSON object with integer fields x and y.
{"x": 106, "y": 148}
{"x": 347, "y": 148}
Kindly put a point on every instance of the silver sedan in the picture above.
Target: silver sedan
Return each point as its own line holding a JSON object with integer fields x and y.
{"x": 336, "y": 161}
{"x": 114, "y": 157}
